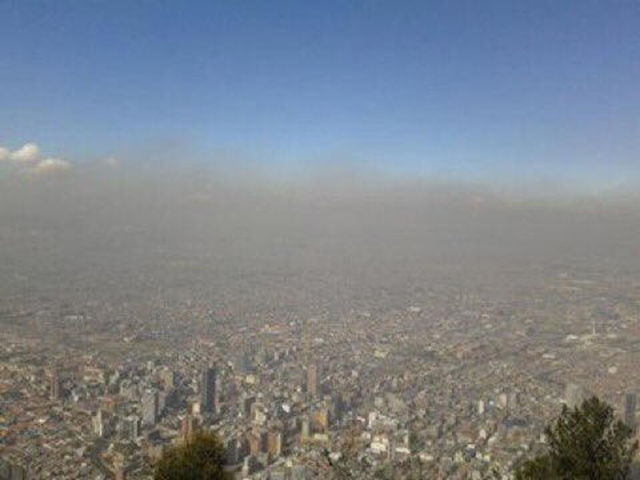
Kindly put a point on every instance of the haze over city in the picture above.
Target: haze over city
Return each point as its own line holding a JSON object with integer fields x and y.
{"x": 396, "y": 237}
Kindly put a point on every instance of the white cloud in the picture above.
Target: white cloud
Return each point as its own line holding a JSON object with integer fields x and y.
{"x": 28, "y": 153}
{"x": 50, "y": 165}
{"x": 27, "y": 160}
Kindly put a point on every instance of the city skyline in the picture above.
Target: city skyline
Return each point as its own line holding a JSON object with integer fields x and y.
{"x": 295, "y": 240}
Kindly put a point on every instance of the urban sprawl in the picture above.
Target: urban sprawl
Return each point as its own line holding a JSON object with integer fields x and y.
{"x": 457, "y": 384}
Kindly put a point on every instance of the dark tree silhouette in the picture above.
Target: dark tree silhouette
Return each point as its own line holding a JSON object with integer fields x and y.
{"x": 200, "y": 458}
{"x": 586, "y": 443}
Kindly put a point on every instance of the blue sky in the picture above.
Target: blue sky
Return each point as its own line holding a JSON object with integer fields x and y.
{"x": 462, "y": 89}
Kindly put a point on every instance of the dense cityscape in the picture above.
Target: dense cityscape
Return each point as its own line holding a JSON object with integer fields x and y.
{"x": 319, "y": 240}
{"x": 434, "y": 371}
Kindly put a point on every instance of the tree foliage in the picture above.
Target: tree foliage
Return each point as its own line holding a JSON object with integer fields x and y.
{"x": 586, "y": 443}
{"x": 200, "y": 458}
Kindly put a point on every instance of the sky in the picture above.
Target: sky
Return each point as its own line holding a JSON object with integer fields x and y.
{"x": 490, "y": 91}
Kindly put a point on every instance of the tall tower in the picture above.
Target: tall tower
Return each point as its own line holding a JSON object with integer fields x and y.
{"x": 150, "y": 408}
{"x": 209, "y": 390}
{"x": 630, "y": 410}
{"x": 313, "y": 386}
{"x": 313, "y": 373}
{"x": 98, "y": 424}
{"x": 56, "y": 385}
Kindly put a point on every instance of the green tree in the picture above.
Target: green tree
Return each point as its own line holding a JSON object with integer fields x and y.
{"x": 586, "y": 443}
{"x": 199, "y": 458}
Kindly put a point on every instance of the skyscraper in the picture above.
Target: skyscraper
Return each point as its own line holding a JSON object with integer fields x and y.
{"x": 630, "y": 410}
{"x": 150, "y": 408}
{"x": 168, "y": 378}
{"x": 313, "y": 387}
{"x": 56, "y": 385}
{"x": 209, "y": 390}
{"x": 98, "y": 424}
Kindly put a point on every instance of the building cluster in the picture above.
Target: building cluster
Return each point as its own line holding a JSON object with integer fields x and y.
{"x": 459, "y": 385}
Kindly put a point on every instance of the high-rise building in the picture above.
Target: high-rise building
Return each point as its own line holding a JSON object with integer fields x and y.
{"x": 630, "y": 401}
{"x": 10, "y": 470}
{"x": 274, "y": 443}
{"x": 298, "y": 472}
{"x": 513, "y": 401}
{"x": 168, "y": 378}
{"x": 257, "y": 441}
{"x": 258, "y": 414}
{"x": 129, "y": 428}
{"x": 480, "y": 407}
{"x": 573, "y": 395}
{"x": 305, "y": 429}
{"x": 119, "y": 467}
{"x": 247, "y": 404}
{"x": 150, "y": 408}
{"x": 56, "y": 385}
{"x": 209, "y": 390}
{"x": 242, "y": 363}
{"x": 313, "y": 385}
{"x": 162, "y": 402}
{"x": 188, "y": 427}
{"x": 98, "y": 424}
{"x": 321, "y": 420}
